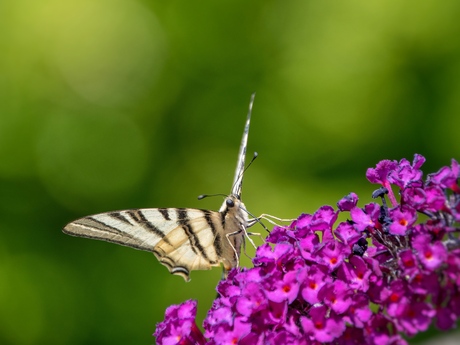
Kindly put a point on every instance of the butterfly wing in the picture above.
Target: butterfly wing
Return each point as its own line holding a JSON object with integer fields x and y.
{"x": 238, "y": 179}
{"x": 182, "y": 239}
{"x": 195, "y": 244}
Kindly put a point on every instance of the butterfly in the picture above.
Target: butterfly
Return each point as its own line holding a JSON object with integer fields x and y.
{"x": 182, "y": 239}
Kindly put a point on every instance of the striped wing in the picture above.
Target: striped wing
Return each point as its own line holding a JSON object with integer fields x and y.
{"x": 182, "y": 239}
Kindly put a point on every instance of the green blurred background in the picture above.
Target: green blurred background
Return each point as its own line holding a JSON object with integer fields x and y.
{"x": 115, "y": 104}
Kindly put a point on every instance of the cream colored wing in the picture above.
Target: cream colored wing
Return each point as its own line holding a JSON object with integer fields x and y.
{"x": 198, "y": 243}
{"x": 182, "y": 239}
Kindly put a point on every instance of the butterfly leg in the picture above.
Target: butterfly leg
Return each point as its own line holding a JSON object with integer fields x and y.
{"x": 244, "y": 250}
{"x": 251, "y": 241}
{"x": 255, "y": 234}
{"x": 237, "y": 256}
{"x": 246, "y": 234}
{"x": 255, "y": 220}
{"x": 269, "y": 218}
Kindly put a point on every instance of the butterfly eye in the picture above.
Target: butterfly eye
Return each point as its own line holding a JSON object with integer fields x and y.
{"x": 230, "y": 203}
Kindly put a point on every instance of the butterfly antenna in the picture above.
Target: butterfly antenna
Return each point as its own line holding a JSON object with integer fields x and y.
{"x": 240, "y": 176}
{"x": 252, "y": 160}
{"x": 202, "y": 196}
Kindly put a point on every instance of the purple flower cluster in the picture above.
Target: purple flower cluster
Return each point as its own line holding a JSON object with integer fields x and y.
{"x": 384, "y": 272}
{"x": 180, "y": 326}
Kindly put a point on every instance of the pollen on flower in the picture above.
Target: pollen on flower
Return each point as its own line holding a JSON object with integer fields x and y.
{"x": 418, "y": 278}
{"x": 409, "y": 262}
{"x": 318, "y": 280}
{"x": 428, "y": 254}
{"x": 319, "y": 325}
{"x": 394, "y": 297}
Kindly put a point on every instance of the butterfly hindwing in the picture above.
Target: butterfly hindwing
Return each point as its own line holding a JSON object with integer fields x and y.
{"x": 194, "y": 244}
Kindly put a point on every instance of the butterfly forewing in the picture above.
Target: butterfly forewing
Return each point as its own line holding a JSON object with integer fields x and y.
{"x": 182, "y": 239}
{"x": 137, "y": 228}
{"x": 238, "y": 179}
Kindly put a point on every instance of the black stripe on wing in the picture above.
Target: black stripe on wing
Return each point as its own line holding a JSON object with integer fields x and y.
{"x": 217, "y": 238}
{"x": 172, "y": 266}
{"x": 141, "y": 220}
{"x": 165, "y": 213}
{"x": 90, "y": 227}
{"x": 120, "y": 217}
{"x": 184, "y": 222}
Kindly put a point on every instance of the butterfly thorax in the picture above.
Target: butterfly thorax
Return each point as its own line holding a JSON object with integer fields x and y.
{"x": 234, "y": 222}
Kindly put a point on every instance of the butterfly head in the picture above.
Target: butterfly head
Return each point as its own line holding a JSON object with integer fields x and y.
{"x": 231, "y": 201}
{"x": 234, "y": 208}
